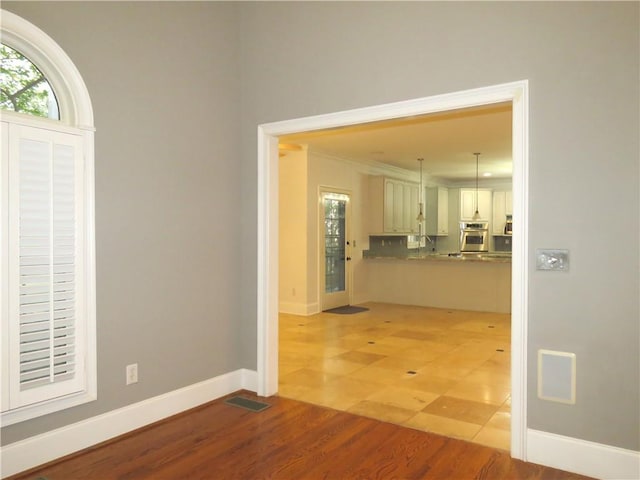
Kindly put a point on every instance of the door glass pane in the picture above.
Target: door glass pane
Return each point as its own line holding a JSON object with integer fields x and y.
{"x": 334, "y": 242}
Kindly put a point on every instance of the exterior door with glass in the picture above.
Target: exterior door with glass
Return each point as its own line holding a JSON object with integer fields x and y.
{"x": 335, "y": 250}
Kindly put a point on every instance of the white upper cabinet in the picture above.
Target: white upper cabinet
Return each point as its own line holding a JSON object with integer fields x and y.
{"x": 502, "y": 206}
{"x": 393, "y": 206}
{"x": 388, "y": 199}
{"x": 410, "y": 215}
{"x": 468, "y": 204}
{"x": 397, "y": 223}
{"x": 509, "y": 202}
{"x": 437, "y": 211}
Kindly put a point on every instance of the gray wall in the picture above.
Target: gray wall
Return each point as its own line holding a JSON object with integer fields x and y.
{"x": 163, "y": 82}
{"x": 277, "y": 61}
{"x": 300, "y": 59}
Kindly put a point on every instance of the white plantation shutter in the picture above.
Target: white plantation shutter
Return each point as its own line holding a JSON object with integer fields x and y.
{"x": 46, "y": 268}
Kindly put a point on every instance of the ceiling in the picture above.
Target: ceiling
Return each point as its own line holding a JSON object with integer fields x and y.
{"x": 447, "y": 142}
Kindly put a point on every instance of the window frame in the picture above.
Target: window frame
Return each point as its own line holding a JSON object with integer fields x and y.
{"x": 76, "y": 117}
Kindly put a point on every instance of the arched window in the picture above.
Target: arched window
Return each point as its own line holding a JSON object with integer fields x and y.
{"x": 23, "y": 87}
{"x": 47, "y": 254}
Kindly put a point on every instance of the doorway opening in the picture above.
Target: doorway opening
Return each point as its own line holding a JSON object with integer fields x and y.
{"x": 517, "y": 93}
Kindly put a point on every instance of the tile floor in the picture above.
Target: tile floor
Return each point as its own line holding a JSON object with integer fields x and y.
{"x": 439, "y": 370}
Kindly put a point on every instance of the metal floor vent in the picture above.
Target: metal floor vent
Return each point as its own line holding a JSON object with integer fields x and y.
{"x": 247, "y": 404}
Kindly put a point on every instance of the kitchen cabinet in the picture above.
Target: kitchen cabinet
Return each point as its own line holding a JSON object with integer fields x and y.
{"x": 502, "y": 206}
{"x": 437, "y": 211}
{"x": 400, "y": 206}
{"x": 468, "y": 204}
{"x": 436, "y": 283}
{"x": 411, "y": 208}
{"x": 393, "y": 205}
{"x": 389, "y": 201}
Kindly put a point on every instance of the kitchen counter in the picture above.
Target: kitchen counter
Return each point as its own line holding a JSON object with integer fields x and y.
{"x": 488, "y": 257}
{"x": 478, "y": 282}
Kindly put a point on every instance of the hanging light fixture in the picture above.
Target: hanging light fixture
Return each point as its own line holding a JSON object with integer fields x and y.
{"x": 420, "y": 217}
{"x": 476, "y": 216}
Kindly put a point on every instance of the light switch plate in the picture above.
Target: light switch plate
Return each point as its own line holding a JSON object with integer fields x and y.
{"x": 552, "y": 259}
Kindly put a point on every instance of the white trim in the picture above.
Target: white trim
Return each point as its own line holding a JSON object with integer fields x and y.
{"x": 17, "y": 118}
{"x": 67, "y": 83}
{"x": 583, "y": 457}
{"x": 267, "y": 294}
{"x": 4, "y": 264}
{"x": 267, "y": 314}
{"x": 31, "y": 452}
{"x": 371, "y": 167}
{"x": 302, "y": 309}
{"x": 359, "y": 299}
{"x": 28, "y": 412}
{"x": 520, "y": 271}
{"x": 91, "y": 353}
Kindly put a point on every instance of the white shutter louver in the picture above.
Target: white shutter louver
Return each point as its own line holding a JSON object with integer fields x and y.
{"x": 46, "y": 263}
{"x": 45, "y": 303}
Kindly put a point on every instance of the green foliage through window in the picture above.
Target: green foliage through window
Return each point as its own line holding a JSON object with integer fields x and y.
{"x": 23, "y": 88}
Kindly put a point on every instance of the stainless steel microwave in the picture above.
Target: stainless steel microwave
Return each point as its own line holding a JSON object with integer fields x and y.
{"x": 508, "y": 226}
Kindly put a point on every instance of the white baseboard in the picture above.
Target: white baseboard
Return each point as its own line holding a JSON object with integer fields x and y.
{"x": 303, "y": 309}
{"x": 583, "y": 457}
{"x": 31, "y": 452}
{"x": 306, "y": 309}
{"x": 359, "y": 299}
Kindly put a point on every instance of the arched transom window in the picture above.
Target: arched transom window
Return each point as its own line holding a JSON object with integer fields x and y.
{"x": 23, "y": 87}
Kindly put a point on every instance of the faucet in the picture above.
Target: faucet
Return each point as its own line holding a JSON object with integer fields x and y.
{"x": 426, "y": 237}
{"x": 423, "y": 235}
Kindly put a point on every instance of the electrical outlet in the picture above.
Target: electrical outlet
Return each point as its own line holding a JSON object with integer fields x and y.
{"x": 132, "y": 373}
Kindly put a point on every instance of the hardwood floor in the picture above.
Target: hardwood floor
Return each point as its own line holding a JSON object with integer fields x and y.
{"x": 289, "y": 440}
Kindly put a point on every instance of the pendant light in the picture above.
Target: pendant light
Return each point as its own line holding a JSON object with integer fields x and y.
{"x": 476, "y": 216}
{"x": 420, "y": 217}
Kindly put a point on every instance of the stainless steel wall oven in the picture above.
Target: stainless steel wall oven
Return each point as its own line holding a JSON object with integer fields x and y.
{"x": 474, "y": 236}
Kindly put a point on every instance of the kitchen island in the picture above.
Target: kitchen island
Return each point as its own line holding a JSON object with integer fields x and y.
{"x": 478, "y": 282}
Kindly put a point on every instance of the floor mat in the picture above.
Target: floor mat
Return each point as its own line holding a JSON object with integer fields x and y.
{"x": 247, "y": 404}
{"x": 347, "y": 310}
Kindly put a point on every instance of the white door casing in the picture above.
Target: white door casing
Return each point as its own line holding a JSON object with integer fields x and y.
{"x": 267, "y": 309}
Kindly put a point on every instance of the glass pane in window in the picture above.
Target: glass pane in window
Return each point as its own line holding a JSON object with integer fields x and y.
{"x": 334, "y": 248}
{"x": 23, "y": 88}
